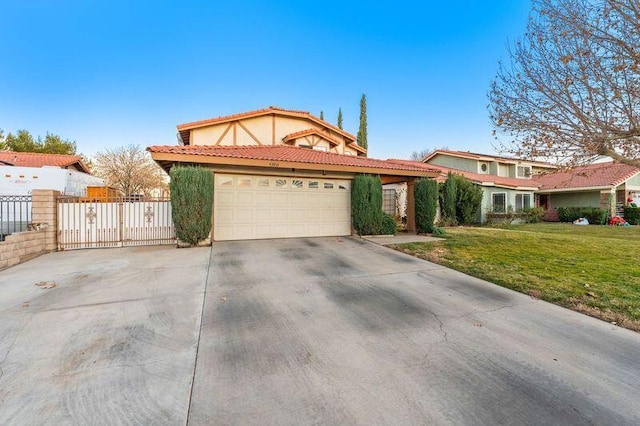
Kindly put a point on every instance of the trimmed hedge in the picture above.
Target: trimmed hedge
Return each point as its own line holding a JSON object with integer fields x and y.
{"x": 449, "y": 199}
{"x": 632, "y": 215}
{"x": 426, "y": 201}
{"x": 388, "y": 225}
{"x": 468, "y": 200}
{"x": 366, "y": 204}
{"x": 191, "y": 202}
{"x": 594, "y": 215}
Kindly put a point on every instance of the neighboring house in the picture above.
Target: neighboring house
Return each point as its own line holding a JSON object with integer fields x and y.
{"x": 34, "y": 159}
{"x": 21, "y": 172}
{"x": 280, "y": 173}
{"x": 507, "y": 183}
{"x": 606, "y": 185}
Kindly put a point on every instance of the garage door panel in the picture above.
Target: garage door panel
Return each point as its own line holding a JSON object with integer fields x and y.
{"x": 242, "y": 215}
{"x": 244, "y": 198}
{"x": 224, "y": 198}
{"x": 252, "y": 207}
{"x": 224, "y": 215}
{"x": 262, "y": 198}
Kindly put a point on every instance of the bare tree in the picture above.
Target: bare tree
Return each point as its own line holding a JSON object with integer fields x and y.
{"x": 420, "y": 155}
{"x": 571, "y": 91}
{"x": 129, "y": 169}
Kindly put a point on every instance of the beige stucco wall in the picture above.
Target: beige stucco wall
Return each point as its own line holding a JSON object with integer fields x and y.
{"x": 262, "y": 128}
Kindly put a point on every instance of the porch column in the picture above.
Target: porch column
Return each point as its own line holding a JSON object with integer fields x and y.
{"x": 411, "y": 206}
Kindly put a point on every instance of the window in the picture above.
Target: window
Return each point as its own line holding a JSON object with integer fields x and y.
{"x": 499, "y": 202}
{"x": 484, "y": 168}
{"x": 523, "y": 201}
{"x": 313, "y": 184}
{"x": 523, "y": 172}
{"x": 281, "y": 183}
{"x": 296, "y": 183}
{"x": 328, "y": 185}
{"x": 305, "y": 146}
{"x": 263, "y": 183}
{"x": 320, "y": 148}
{"x": 389, "y": 201}
{"x": 244, "y": 182}
{"x": 225, "y": 181}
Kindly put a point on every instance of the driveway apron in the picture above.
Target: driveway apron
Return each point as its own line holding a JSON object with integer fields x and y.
{"x": 343, "y": 331}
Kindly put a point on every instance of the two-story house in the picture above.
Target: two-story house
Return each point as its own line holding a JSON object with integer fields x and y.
{"x": 507, "y": 183}
{"x": 280, "y": 173}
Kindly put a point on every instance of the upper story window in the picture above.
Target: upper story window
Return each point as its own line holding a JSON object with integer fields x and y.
{"x": 523, "y": 172}
{"x": 320, "y": 148}
{"x": 484, "y": 168}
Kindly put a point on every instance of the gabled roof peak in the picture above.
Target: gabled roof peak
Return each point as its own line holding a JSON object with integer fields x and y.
{"x": 184, "y": 129}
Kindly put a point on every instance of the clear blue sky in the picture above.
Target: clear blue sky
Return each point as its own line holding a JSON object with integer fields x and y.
{"x": 108, "y": 73}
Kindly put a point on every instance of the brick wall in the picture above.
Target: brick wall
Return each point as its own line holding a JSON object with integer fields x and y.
{"x": 22, "y": 246}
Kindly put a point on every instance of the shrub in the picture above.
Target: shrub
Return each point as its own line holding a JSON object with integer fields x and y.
{"x": 533, "y": 215}
{"x": 449, "y": 199}
{"x": 592, "y": 214}
{"x": 366, "y": 204}
{"x": 438, "y": 232}
{"x": 468, "y": 200}
{"x": 191, "y": 202}
{"x": 632, "y": 215}
{"x": 426, "y": 200}
{"x": 388, "y": 225}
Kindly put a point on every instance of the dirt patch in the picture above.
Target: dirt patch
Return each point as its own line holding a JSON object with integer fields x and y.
{"x": 435, "y": 254}
{"x": 608, "y": 316}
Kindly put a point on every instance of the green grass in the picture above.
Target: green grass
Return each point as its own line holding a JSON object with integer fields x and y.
{"x": 591, "y": 269}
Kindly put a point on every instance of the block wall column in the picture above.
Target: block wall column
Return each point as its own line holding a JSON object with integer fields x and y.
{"x": 44, "y": 211}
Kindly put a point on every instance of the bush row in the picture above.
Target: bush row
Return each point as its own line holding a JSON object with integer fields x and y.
{"x": 594, "y": 215}
{"x": 632, "y": 215}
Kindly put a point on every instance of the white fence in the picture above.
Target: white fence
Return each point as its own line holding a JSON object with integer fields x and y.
{"x": 114, "y": 222}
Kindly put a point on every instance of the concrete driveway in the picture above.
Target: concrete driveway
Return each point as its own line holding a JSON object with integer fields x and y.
{"x": 300, "y": 331}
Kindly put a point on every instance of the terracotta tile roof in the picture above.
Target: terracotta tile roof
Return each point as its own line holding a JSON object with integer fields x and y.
{"x": 485, "y": 157}
{"x": 287, "y": 153}
{"x": 184, "y": 129}
{"x": 607, "y": 174}
{"x": 34, "y": 159}
{"x": 477, "y": 178}
{"x": 307, "y": 132}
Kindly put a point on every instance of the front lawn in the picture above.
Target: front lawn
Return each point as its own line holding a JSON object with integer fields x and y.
{"x": 591, "y": 269}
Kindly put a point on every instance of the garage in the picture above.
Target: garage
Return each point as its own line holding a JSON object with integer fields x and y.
{"x": 257, "y": 207}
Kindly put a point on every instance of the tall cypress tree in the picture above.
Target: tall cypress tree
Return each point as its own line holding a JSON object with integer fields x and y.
{"x": 362, "y": 131}
{"x": 321, "y": 115}
{"x": 339, "y": 118}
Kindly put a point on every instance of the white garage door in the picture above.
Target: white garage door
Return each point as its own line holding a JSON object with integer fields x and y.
{"x": 255, "y": 207}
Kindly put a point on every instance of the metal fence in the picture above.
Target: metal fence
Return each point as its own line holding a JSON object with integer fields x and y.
{"x": 15, "y": 214}
{"x": 113, "y": 222}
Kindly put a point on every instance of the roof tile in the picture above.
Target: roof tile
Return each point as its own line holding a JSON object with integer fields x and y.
{"x": 288, "y": 153}
{"x": 35, "y": 159}
{"x": 593, "y": 175}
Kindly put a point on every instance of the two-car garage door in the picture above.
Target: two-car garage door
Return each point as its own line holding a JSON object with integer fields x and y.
{"x": 254, "y": 207}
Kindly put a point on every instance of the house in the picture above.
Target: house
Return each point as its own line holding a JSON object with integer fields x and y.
{"x": 607, "y": 185}
{"x": 280, "y": 173}
{"x": 36, "y": 159}
{"x": 507, "y": 183}
{"x": 22, "y": 172}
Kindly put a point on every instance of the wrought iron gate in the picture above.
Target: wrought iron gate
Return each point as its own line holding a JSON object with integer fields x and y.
{"x": 113, "y": 222}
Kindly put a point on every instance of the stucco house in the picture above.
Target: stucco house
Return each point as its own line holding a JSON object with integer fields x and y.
{"x": 507, "y": 183}
{"x": 606, "y": 185}
{"x": 281, "y": 173}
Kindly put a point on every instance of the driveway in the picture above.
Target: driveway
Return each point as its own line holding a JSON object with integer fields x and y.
{"x": 300, "y": 331}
